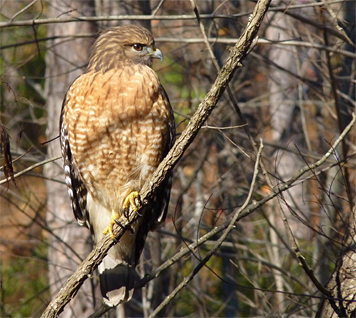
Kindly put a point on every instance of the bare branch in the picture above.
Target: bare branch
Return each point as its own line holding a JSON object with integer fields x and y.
{"x": 22, "y": 172}
{"x": 223, "y": 237}
{"x": 302, "y": 261}
{"x": 198, "y": 40}
{"x": 34, "y": 22}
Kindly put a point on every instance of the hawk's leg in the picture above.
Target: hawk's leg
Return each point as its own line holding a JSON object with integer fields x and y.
{"x": 115, "y": 216}
{"x": 129, "y": 202}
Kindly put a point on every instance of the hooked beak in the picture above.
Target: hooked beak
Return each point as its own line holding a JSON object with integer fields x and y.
{"x": 157, "y": 54}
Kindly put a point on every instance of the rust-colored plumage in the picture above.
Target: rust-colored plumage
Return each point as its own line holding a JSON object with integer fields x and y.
{"x": 116, "y": 127}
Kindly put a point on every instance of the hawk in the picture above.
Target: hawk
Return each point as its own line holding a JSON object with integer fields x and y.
{"x": 116, "y": 126}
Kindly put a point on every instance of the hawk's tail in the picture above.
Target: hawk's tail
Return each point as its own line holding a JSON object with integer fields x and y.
{"x": 117, "y": 270}
{"x": 116, "y": 281}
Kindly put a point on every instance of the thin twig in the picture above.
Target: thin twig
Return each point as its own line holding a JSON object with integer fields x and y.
{"x": 39, "y": 164}
{"x": 157, "y": 8}
{"x": 293, "y": 241}
{"x": 217, "y": 245}
{"x": 335, "y": 20}
{"x": 251, "y": 208}
{"x": 22, "y": 10}
{"x": 159, "y": 17}
{"x": 339, "y": 110}
{"x": 197, "y": 40}
{"x": 205, "y": 37}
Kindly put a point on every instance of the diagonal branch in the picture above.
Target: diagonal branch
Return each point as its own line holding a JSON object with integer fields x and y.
{"x": 237, "y": 54}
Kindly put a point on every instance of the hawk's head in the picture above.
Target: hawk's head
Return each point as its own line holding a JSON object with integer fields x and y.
{"x": 127, "y": 44}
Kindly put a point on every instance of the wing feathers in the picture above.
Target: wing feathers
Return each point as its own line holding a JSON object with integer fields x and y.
{"x": 76, "y": 189}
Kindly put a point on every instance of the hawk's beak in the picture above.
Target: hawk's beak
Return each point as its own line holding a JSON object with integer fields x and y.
{"x": 157, "y": 54}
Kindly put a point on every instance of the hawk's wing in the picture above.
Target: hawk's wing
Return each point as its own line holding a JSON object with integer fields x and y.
{"x": 161, "y": 199}
{"x": 76, "y": 188}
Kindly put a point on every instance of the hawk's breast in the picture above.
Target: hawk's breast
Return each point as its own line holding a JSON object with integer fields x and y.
{"x": 117, "y": 123}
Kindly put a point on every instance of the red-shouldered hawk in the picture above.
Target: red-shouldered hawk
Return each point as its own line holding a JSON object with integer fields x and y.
{"x": 116, "y": 127}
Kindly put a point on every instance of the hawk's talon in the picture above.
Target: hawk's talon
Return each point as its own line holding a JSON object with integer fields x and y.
{"x": 119, "y": 224}
{"x": 129, "y": 202}
{"x": 109, "y": 229}
{"x": 127, "y": 227}
{"x": 125, "y": 213}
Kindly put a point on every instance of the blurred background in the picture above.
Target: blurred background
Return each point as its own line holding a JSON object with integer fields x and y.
{"x": 295, "y": 91}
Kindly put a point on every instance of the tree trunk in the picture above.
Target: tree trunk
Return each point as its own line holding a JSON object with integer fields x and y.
{"x": 342, "y": 284}
{"x": 283, "y": 87}
{"x": 289, "y": 131}
{"x": 69, "y": 243}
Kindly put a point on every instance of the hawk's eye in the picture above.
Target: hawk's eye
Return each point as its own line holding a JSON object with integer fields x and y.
{"x": 138, "y": 46}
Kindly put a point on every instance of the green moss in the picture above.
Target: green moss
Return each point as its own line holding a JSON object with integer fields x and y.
{"x": 24, "y": 285}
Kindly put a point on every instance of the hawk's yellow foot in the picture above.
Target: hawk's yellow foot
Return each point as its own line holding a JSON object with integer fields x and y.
{"x": 130, "y": 202}
{"x": 115, "y": 216}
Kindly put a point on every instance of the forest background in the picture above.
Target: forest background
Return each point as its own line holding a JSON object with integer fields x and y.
{"x": 291, "y": 251}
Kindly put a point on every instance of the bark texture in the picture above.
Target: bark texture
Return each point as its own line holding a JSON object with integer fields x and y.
{"x": 69, "y": 243}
